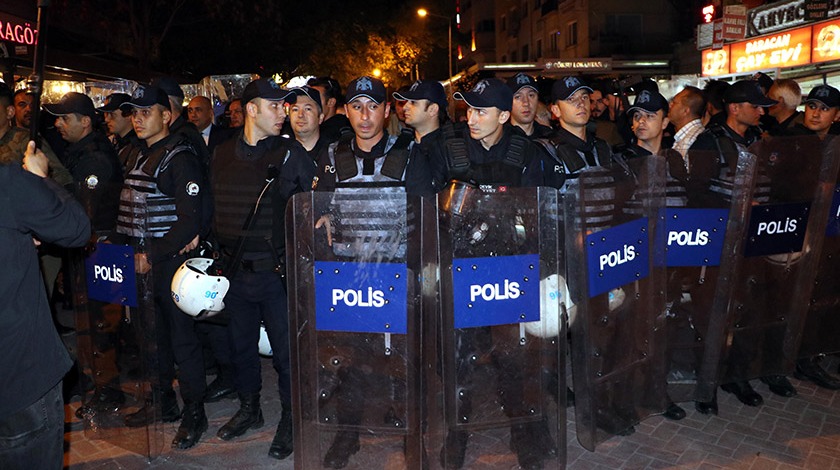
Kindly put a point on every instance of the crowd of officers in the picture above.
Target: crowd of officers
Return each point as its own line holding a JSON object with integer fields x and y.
{"x": 199, "y": 180}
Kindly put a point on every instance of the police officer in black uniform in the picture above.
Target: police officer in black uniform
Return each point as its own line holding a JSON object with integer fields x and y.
{"x": 369, "y": 158}
{"x": 168, "y": 176}
{"x": 523, "y": 113}
{"x": 494, "y": 154}
{"x": 240, "y": 170}
{"x": 97, "y": 176}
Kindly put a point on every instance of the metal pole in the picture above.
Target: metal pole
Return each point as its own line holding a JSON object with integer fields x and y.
{"x": 451, "y": 90}
{"x": 35, "y": 82}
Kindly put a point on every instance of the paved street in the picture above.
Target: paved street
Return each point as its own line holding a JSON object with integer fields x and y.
{"x": 801, "y": 432}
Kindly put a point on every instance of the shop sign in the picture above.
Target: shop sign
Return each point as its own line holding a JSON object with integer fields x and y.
{"x": 826, "y": 41}
{"x": 782, "y": 15}
{"x": 786, "y": 49}
{"x": 17, "y": 30}
{"x": 716, "y": 62}
{"x": 581, "y": 65}
{"x": 717, "y": 40}
{"x": 816, "y": 10}
{"x": 734, "y": 22}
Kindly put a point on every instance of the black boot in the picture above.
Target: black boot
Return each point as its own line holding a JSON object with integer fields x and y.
{"x": 810, "y": 369}
{"x": 345, "y": 444}
{"x": 248, "y": 417}
{"x": 105, "y": 399}
{"x": 283, "y": 443}
{"x": 780, "y": 385}
{"x": 193, "y": 425}
{"x": 744, "y": 392}
{"x": 707, "y": 407}
{"x": 169, "y": 411}
{"x": 526, "y": 443}
{"x": 222, "y": 386}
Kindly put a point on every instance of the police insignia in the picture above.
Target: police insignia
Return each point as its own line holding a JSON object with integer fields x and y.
{"x": 480, "y": 86}
{"x": 192, "y": 188}
{"x": 91, "y": 181}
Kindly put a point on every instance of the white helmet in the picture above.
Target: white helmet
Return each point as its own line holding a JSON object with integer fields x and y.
{"x": 553, "y": 292}
{"x": 264, "y": 345}
{"x": 197, "y": 293}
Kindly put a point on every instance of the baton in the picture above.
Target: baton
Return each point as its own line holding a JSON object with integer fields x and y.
{"x": 35, "y": 82}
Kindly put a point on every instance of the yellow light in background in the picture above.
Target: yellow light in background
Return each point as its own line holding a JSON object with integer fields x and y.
{"x": 472, "y": 48}
{"x": 377, "y": 73}
{"x": 422, "y": 12}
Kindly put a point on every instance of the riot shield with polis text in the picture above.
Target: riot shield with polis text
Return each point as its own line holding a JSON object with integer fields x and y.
{"x": 618, "y": 289}
{"x": 822, "y": 325}
{"x": 354, "y": 310}
{"x": 496, "y": 336}
{"x": 772, "y": 276}
{"x": 117, "y": 347}
{"x": 695, "y": 231}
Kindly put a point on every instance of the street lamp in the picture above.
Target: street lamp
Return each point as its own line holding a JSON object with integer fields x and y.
{"x": 422, "y": 13}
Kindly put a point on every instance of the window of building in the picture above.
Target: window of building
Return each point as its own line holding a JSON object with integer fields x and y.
{"x": 554, "y": 36}
{"x": 513, "y": 56}
{"x": 537, "y": 4}
{"x": 525, "y": 56}
{"x": 486, "y": 26}
{"x": 503, "y": 23}
{"x": 571, "y": 34}
{"x": 504, "y": 58}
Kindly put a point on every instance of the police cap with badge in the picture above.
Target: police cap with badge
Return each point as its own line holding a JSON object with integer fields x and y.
{"x": 488, "y": 93}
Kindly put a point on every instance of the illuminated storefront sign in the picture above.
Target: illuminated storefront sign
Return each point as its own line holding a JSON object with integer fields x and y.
{"x": 826, "y": 41}
{"x": 17, "y": 30}
{"x": 580, "y": 65}
{"x": 782, "y": 15}
{"x": 792, "y": 48}
{"x": 785, "y": 49}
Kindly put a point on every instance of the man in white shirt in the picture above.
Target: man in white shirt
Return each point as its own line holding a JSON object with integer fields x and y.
{"x": 686, "y": 112}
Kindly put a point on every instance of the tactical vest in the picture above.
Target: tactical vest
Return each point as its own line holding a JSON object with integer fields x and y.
{"x": 507, "y": 171}
{"x": 570, "y": 159}
{"x": 236, "y": 191}
{"x": 728, "y": 151}
{"x": 145, "y": 211}
{"x": 365, "y": 227}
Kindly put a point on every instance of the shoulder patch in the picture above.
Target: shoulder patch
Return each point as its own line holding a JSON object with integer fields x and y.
{"x": 193, "y": 188}
{"x": 92, "y": 181}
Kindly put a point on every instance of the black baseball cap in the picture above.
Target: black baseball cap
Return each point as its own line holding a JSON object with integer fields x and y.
{"x": 826, "y": 95}
{"x": 565, "y": 87}
{"x": 649, "y": 101}
{"x": 114, "y": 101}
{"x": 488, "y": 93}
{"x": 72, "y": 103}
{"x": 146, "y": 96}
{"x": 169, "y": 86}
{"x": 747, "y": 91}
{"x": 520, "y": 81}
{"x": 424, "y": 90}
{"x": 763, "y": 80}
{"x": 267, "y": 90}
{"x": 312, "y": 93}
{"x": 366, "y": 86}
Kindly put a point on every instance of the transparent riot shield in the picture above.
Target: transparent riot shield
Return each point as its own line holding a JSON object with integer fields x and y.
{"x": 694, "y": 231}
{"x": 354, "y": 310}
{"x": 497, "y": 339}
{"x": 822, "y": 325}
{"x": 766, "y": 297}
{"x": 115, "y": 320}
{"x": 618, "y": 289}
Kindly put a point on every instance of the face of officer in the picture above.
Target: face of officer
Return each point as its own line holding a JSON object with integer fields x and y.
{"x": 200, "y": 112}
{"x": 73, "y": 127}
{"x": 367, "y": 118}
{"x": 648, "y": 127}
{"x": 118, "y": 123}
{"x": 746, "y": 114}
{"x": 305, "y": 116}
{"x": 574, "y": 111}
{"x": 421, "y": 114}
{"x": 237, "y": 117}
{"x": 151, "y": 124}
{"x": 23, "y": 109}
{"x": 267, "y": 117}
{"x": 819, "y": 117}
{"x": 524, "y": 108}
{"x": 486, "y": 124}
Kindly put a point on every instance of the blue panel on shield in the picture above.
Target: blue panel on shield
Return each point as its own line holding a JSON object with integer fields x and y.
{"x": 110, "y": 274}
{"x": 692, "y": 237}
{"x": 833, "y": 229}
{"x": 361, "y": 297}
{"x": 498, "y": 290}
{"x": 617, "y": 256}
{"x": 777, "y": 228}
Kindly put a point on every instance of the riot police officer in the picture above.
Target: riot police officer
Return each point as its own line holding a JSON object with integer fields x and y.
{"x": 255, "y": 254}
{"x": 167, "y": 176}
